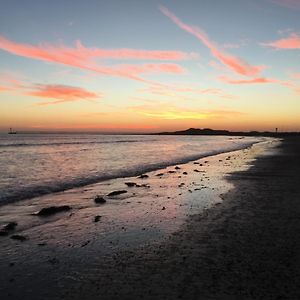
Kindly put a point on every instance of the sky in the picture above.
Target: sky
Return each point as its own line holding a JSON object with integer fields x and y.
{"x": 149, "y": 66}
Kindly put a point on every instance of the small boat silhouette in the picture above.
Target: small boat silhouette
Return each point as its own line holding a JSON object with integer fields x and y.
{"x": 11, "y": 131}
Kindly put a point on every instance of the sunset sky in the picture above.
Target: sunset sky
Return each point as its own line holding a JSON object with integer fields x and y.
{"x": 147, "y": 66}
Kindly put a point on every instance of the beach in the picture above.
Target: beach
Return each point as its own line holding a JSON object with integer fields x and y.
{"x": 150, "y": 150}
{"x": 224, "y": 226}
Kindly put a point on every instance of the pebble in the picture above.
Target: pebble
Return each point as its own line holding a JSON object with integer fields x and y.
{"x": 116, "y": 193}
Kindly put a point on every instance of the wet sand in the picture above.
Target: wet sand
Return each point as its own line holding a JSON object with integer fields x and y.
{"x": 206, "y": 239}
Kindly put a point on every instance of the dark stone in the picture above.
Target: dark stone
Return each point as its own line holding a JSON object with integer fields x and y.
{"x": 53, "y": 261}
{"x": 184, "y": 173}
{"x": 196, "y": 170}
{"x": 116, "y": 193}
{"x": 42, "y": 244}
{"x": 85, "y": 243}
{"x": 143, "y": 176}
{"x": 48, "y": 211}
{"x": 18, "y": 237}
{"x": 160, "y": 174}
{"x": 163, "y": 208}
{"x": 3, "y": 233}
{"x": 99, "y": 200}
{"x": 196, "y": 163}
{"x": 145, "y": 185}
{"x": 177, "y": 168}
{"x": 171, "y": 172}
{"x": 10, "y": 226}
{"x": 97, "y": 219}
{"x": 130, "y": 184}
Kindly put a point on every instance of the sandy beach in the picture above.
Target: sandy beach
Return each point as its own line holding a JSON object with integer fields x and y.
{"x": 221, "y": 227}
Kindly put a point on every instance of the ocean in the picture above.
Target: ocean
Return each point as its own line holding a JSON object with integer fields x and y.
{"x": 38, "y": 164}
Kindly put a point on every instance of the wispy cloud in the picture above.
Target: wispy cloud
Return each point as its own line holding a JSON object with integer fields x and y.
{"x": 152, "y": 68}
{"x": 169, "y": 112}
{"x": 85, "y": 58}
{"x": 135, "y": 54}
{"x": 166, "y": 111}
{"x": 58, "y": 92}
{"x": 4, "y": 88}
{"x": 11, "y": 80}
{"x": 294, "y": 4}
{"x": 61, "y": 93}
{"x": 235, "y": 64}
{"x": 262, "y": 80}
{"x": 295, "y": 76}
{"x": 291, "y": 42}
{"x": 178, "y": 115}
{"x": 178, "y": 90}
{"x": 247, "y": 81}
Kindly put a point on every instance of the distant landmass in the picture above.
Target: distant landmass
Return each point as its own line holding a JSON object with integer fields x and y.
{"x": 208, "y": 131}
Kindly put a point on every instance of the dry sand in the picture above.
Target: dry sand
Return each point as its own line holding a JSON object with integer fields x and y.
{"x": 167, "y": 241}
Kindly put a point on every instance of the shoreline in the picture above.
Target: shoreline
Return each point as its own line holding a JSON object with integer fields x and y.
{"x": 171, "y": 185}
{"x": 246, "y": 248}
{"x": 74, "y": 245}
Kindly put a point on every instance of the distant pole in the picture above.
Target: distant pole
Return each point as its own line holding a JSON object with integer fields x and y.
{"x": 276, "y": 130}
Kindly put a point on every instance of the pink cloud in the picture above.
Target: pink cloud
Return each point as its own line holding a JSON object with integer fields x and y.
{"x": 295, "y": 76}
{"x": 152, "y": 68}
{"x": 62, "y": 93}
{"x": 247, "y": 81}
{"x": 261, "y": 80}
{"x": 291, "y": 42}
{"x": 129, "y": 53}
{"x": 80, "y": 52}
{"x": 217, "y": 92}
{"x": 295, "y": 4}
{"x": 4, "y": 88}
{"x": 235, "y": 64}
{"x": 84, "y": 58}
{"x": 177, "y": 90}
{"x": 11, "y": 80}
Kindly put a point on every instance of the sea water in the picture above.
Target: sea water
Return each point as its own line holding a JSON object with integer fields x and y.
{"x": 37, "y": 164}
